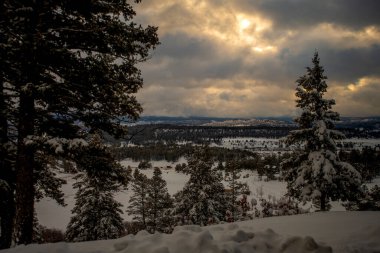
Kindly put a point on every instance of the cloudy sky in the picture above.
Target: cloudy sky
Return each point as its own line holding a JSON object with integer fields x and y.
{"x": 240, "y": 58}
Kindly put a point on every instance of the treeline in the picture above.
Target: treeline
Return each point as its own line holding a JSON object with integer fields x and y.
{"x": 366, "y": 161}
{"x": 172, "y": 152}
{"x": 143, "y": 134}
{"x": 146, "y": 134}
{"x": 266, "y": 165}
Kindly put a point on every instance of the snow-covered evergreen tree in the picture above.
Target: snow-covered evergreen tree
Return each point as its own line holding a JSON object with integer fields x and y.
{"x": 47, "y": 184}
{"x": 66, "y": 66}
{"x": 202, "y": 200}
{"x": 138, "y": 205}
{"x": 236, "y": 188}
{"x": 96, "y": 214}
{"x": 158, "y": 202}
{"x": 316, "y": 173}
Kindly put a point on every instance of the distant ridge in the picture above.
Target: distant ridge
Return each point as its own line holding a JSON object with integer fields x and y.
{"x": 251, "y": 122}
{"x": 345, "y": 122}
{"x": 215, "y": 121}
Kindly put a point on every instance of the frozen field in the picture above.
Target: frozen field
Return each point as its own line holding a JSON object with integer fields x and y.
{"x": 52, "y": 215}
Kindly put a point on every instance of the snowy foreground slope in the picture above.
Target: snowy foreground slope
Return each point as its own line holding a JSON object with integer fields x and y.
{"x": 357, "y": 232}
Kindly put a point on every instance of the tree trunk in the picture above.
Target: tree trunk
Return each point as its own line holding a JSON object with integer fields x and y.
{"x": 25, "y": 192}
{"x": 143, "y": 215}
{"x": 323, "y": 201}
{"x": 23, "y": 233}
{"x": 155, "y": 211}
{"x": 6, "y": 217}
{"x": 6, "y": 186}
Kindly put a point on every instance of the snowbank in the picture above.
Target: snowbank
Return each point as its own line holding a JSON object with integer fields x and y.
{"x": 316, "y": 232}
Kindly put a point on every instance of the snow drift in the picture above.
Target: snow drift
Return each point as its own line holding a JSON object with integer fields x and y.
{"x": 316, "y": 232}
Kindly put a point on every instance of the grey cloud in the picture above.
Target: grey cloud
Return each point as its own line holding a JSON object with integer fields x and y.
{"x": 298, "y": 13}
{"x": 181, "y": 46}
{"x": 342, "y": 65}
{"x": 365, "y": 101}
{"x": 186, "y": 62}
{"x": 351, "y": 64}
{"x": 369, "y": 95}
{"x": 183, "y": 57}
{"x": 225, "y": 96}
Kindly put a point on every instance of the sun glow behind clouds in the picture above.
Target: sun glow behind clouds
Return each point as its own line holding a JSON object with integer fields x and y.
{"x": 249, "y": 31}
{"x": 362, "y": 82}
{"x": 224, "y": 25}
{"x": 245, "y": 23}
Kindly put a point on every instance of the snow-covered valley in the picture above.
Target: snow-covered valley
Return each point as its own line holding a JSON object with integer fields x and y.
{"x": 51, "y": 215}
{"x": 334, "y": 231}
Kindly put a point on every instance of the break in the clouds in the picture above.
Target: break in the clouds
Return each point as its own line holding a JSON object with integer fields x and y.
{"x": 241, "y": 58}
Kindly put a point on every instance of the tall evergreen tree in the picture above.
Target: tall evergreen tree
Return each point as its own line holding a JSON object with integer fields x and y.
{"x": 158, "y": 202}
{"x": 67, "y": 66}
{"x": 97, "y": 215}
{"x": 237, "y": 188}
{"x": 202, "y": 200}
{"x": 138, "y": 205}
{"x": 317, "y": 173}
{"x": 7, "y": 147}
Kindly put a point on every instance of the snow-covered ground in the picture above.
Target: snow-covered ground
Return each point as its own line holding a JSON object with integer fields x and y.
{"x": 51, "y": 215}
{"x": 264, "y": 145}
{"x": 248, "y": 142}
{"x": 339, "y": 232}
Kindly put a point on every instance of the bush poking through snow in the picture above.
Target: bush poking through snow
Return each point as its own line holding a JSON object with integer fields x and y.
{"x": 52, "y": 235}
{"x": 369, "y": 201}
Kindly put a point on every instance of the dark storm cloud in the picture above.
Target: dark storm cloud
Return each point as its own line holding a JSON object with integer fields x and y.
{"x": 297, "y": 13}
{"x": 350, "y": 64}
{"x": 344, "y": 65}
{"x": 190, "y": 57}
{"x": 183, "y": 46}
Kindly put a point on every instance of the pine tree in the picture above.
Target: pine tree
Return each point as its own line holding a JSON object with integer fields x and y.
{"x": 71, "y": 67}
{"x": 317, "y": 173}
{"x": 97, "y": 215}
{"x": 158, "y": 202}
{"x": 202, "y": 200}
{"x": 236, "y": 188}
{"x": 138, "y": 205}
{"x": 7, "y": 147}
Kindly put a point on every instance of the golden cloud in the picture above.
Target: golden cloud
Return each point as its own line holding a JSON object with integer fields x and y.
{"x": 220, "y": 23}
{"x": 238, "y": 62}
